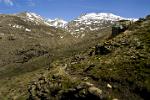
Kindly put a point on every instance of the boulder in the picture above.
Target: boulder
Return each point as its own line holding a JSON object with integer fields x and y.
{"x": 101, "y": 50}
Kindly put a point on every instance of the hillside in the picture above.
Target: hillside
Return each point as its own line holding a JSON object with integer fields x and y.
{"x": 43, "y": 60}
{"x": 25, "y": 37}
{"x": 114, "y": 69}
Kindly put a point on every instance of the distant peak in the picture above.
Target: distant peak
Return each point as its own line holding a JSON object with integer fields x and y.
{"x": 102, "y": 16}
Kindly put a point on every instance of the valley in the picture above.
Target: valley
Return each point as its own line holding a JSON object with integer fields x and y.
{"x": 45, "y": 59}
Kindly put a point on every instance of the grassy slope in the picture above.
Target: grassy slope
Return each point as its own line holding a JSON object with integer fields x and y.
{"x": 15, "y": 77}
{"x": 126, "y": 68}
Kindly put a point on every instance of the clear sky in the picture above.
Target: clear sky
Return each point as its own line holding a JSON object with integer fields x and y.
{"x": 70, "y": 9}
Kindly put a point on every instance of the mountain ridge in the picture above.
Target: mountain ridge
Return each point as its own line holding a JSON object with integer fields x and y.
{"x": 100, "y": 16}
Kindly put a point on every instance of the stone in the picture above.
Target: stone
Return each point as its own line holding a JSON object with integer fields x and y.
{"x": 94, "y": 90}
{"x": 109, "y": 86}
{"x": 89, "y": 84}
{"x": 101, "y": 50}
{"x": 115, "y": 99}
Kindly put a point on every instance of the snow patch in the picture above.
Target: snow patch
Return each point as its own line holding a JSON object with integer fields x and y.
{"x": 27, "y": 30}
{"x": 61, "y": 37}
{"x": 33, "y": 16}
{"x": 57, "y": 23}
{"x": 17, "y": 26}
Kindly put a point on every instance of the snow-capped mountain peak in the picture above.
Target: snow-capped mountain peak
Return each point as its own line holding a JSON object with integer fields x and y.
{"x": 101, "y": 16}
{"x": 30, "y": 16}
{"x": 88, "y": 20}
{"x": 93, "y": 22}
{"x": 33, "y": 16}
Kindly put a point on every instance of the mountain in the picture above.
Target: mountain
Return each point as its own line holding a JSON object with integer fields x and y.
{"x": 51, "y": 59}
{"x": 82, "y": 26}
{"x": 32, "y": 17}
{"x": 28, "y": 32}
{"x": 29, "y": 16}
{"x": 31, "y": 31}
{"x": 92, "y": 22}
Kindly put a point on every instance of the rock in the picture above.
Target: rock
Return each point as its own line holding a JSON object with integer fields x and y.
{"x": 94, "y": 90}
{"x": 115, "y": 99}
{"x": 101, "y": 50}
{"x": 109, "y": 86}
{"x": 85, "y": 78}
{"x": 89, "y": 84}
{"x": 72, "y": 63}
{"x": 79, "y": 87}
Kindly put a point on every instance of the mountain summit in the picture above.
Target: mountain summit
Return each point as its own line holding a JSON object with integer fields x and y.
{"x": 92, "y": 22}
{"x": 102, "y": 16}
{"x": 33, "y": 17}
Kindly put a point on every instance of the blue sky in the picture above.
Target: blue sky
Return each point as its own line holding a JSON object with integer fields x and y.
{"x": 70, "y": 9}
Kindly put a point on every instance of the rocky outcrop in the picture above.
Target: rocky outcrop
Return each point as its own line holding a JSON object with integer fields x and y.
{"x": 60, "y": 87}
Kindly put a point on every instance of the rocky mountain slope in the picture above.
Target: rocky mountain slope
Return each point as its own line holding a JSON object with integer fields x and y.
{"x": 114, "y": 69}
{"x": 93, "y": 22}
{"x": 24, "y": 37}
{"x": 81, "y": 26}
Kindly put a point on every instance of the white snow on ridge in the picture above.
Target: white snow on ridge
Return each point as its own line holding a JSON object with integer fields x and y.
{"x": 93, "y": 22}
{"x": 38, "y": 19}
{"x": 33, "y": 16}
{"x": 29, "y": 16}
{"x": 102, "y": 16}
{"x": 27, "y": 30}
{"x": 57, "y": 23}
{"x": 87, "y": 19}
{"x": 17, "y": 26}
